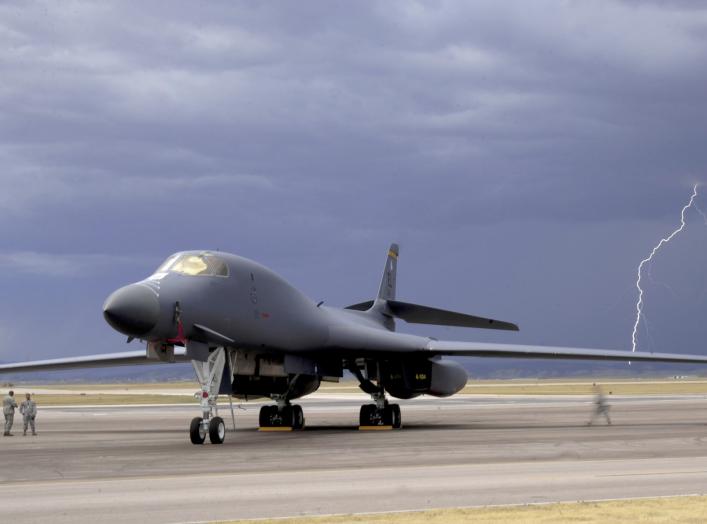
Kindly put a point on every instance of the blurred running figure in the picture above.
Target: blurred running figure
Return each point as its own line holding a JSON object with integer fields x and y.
{"x": 28, "y": 408}
{"x": 601, "y": 406}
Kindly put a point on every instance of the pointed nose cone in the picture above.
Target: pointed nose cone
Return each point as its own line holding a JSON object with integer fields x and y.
{"x": 133, "y": 310}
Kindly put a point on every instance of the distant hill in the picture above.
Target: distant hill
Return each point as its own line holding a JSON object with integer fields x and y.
{"x": 518, "y": 368}
{"x": 152, "y": 373}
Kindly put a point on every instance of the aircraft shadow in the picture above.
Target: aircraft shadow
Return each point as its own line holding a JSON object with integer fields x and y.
{"x": 483, "y": 426}
{"x": 406, "y": 428}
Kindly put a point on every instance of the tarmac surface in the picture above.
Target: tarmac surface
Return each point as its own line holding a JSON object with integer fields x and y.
{"x": 134, "y": 464}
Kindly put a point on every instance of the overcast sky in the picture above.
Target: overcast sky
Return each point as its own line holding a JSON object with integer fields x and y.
{"x": 526, "y": 156}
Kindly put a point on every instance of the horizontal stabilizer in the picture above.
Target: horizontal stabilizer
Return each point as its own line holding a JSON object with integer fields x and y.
{"x": 361, "y": 306}
{"x": 417, "y": 314}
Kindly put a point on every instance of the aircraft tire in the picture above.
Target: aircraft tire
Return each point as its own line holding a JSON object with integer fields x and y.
{"x": 387, "y": 415}
{"x": 287, "y": 417}
{"x": 396, "y": 416}
{"x": 196, "y": 431}
{"x": 217, "y": 430}
{"x": 297, "y": 417}
{"x": 364, "y": 417}
{"x": 264, "y": 417}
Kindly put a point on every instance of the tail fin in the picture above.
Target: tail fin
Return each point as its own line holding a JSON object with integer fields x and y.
{"x": 387, "y": 287}
{"x": 386, "y": 309}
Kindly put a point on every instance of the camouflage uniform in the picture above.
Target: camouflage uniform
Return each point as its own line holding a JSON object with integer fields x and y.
{"x": 8, "y": 409}
{"x": 28, "y": 408}
{"x": 601, "y": 407}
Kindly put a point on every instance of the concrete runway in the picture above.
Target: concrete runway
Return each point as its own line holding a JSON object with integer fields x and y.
{"x": 131, "y": 464}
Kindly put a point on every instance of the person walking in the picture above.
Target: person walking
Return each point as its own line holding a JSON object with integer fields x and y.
{"x": 601, "y": 406}
{"x": 8, "y": 409}
{"x": 28, "y": 408}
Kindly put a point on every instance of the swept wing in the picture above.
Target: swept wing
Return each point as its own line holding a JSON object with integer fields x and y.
{"x": 484, "y": 349}
{"x": 124, "y": 358}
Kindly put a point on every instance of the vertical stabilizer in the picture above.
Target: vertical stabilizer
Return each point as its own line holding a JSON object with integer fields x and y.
{"x": 387, "y": 287}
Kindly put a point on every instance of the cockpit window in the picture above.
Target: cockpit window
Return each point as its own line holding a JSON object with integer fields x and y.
{"x": 195, "y": 264}
{"x": 167, "y": 264}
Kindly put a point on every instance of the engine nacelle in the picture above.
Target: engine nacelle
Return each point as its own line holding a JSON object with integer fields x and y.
{"x": 411, "y": 378}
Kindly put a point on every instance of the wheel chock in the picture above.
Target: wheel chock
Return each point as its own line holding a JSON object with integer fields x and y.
{"x": 275, "y": 428}
{"x": 375, "y": 428}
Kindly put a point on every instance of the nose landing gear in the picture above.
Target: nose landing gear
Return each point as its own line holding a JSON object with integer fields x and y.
{"x": 209, "y": 374}
{"x": 214, "y": 427}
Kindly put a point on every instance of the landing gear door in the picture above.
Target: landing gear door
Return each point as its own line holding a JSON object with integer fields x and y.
{"x": 226, "y": 388}
{"x": 160, "y": 351}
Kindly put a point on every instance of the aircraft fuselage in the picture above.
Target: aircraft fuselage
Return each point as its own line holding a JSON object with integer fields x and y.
{"x": 249, "y": 304}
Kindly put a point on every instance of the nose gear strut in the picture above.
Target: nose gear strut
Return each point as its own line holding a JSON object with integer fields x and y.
{"x": 209, "y": 374}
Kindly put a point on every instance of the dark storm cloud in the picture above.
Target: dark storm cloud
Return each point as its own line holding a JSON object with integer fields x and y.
{"x": 288, "y": 132}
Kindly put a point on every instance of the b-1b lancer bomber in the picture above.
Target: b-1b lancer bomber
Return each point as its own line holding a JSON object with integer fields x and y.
{"x": 249, "y": 333}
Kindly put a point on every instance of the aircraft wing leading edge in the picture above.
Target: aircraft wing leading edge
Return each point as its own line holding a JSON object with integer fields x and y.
{"x": 435, "y": 347}
{"x": 489, "y": 350}
{"x": 124, "y": 358}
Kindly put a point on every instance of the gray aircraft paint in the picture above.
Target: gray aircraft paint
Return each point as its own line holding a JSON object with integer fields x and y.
{"x": 258, "y": 310}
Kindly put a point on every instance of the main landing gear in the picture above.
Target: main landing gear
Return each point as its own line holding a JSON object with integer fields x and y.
{"x": 282, "y": 416}
{"x": 381, "y": 413}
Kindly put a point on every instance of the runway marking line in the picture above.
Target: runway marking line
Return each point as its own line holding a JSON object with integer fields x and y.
{"x": 375, "y": 428}
{"x": 653, "y": 473}
{"x": 274, "y": 428}
{"x": 5, "y": 484}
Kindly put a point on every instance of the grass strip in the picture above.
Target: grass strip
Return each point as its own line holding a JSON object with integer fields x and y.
{"x": 688, "y": 509}
{"x": 105, "y": 399}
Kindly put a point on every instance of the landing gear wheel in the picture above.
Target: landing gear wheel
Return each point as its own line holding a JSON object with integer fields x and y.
{"x": 370, "y": 415}
{"x": 386, "y": 415}
{"x": 364, "y": 416}
{"x": 286, "y": 416}
{"x": 390, "y": 415}
{"x": 197, "y": 433}
{"x": 265, "y": 416}
{"x": 395, "y": 416}
{"x": 297, "y": 417}
{"x": 217, "y": 430}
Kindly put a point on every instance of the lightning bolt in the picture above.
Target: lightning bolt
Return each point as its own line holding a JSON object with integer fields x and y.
{"x": 649, "y": 259}
{"x": 699, "y": 210}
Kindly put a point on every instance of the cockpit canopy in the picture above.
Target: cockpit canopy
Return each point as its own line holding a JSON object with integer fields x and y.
{"x": 195, "y": 264}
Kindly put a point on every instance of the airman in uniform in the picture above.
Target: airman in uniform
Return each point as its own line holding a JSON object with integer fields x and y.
{"x": 28, "y": 408}
{"x": 8, "y": 409}
{"x": 601, "y": 406}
